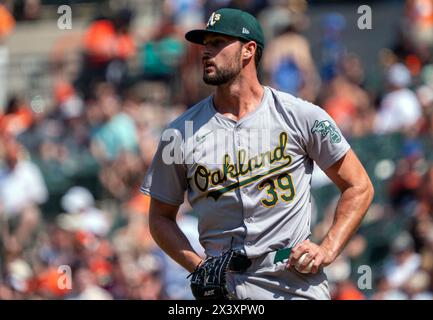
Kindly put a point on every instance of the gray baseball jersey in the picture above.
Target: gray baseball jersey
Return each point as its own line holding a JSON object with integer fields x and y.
{"x": 249, "y": 181}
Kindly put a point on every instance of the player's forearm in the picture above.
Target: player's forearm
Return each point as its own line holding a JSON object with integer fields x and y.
{"x": 172, "y": 240}
{"x": 350, "y": 211}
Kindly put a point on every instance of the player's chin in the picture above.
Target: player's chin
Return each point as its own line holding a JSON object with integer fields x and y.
{"x": 207, "y": 76}
{"x": 208, "y": 79}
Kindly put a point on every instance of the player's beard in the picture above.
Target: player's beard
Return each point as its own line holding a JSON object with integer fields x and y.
{"x": 224, "y": 74}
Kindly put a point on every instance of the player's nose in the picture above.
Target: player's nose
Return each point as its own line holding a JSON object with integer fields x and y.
{"x": 209, "y": 50}
{"x": 207, "y": 53}
{"x": 206, "y": 56}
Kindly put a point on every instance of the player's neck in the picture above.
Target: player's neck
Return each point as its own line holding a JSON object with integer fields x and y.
{"x": 238, "y": 98}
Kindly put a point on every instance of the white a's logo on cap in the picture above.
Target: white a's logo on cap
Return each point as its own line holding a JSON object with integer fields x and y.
{"x": 213, "y": 19}
{"x": 245, "y": 31}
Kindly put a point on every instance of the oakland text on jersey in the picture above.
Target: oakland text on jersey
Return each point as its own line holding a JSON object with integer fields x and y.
{"x": 271, "y": 161}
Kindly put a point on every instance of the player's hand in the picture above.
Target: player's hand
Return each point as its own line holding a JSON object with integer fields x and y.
{"x": 314, "y": 252}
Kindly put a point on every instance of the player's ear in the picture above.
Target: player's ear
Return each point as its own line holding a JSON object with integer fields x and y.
{"x": 249, "y": 48}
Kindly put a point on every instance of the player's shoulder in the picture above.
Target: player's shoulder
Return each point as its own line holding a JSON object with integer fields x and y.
{"x": 195, "y": 113}
{"x": 295, "y": 105}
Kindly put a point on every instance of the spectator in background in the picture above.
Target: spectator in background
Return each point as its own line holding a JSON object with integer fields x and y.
{"x": 332, "y": 47}
{"x": 7, "y": 24}
{"x": 280, "y": 13}
{"x": 122, "y": 176}
{"x": 422, "y": 222}
{"x": 384, "y": 291}
{"x": 425, "y": 195}
{"x": 407, "y": 180}
{"x": 117, "y": 132}
{"x": 76, "y": 136}
{"x": 58, "y": 140}
{"x": 82, "y": 215}
{"x": 161, "y": 55}
{"x": 17, "y": 270}
{"x": 417, "y": 287}
{"x": 419, "y": 23}
{"x": 22, "y": 189}
{"x": 27, "y": 10}
{"x": 403, "y": 263}
{"x": 288, "y": 64}
{"x": 17, "y": 117}
{"x": 425, "y": 96}
{"x": 344, "y": 99}
{"x": 185, "y": 14}
{"x": 42, "y": 127}
{"x": 86, "y": 287}
{"x": 108, "y": 45}
{"x": 399, "y": 109}
{"x": 342, "y": 287}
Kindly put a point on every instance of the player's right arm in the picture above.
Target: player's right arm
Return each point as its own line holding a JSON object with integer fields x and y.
{"x": 167, "y": 234}
{"x": 165, "y": 182}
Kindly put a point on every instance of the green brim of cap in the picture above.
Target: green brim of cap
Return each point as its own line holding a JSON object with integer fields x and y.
{"x": 197, "y": 36}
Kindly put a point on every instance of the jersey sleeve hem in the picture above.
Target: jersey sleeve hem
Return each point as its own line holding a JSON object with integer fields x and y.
{"x": 160, "y": 197}
{"x": 335, "y": 158}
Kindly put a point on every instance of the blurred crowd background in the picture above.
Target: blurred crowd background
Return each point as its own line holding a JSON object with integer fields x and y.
{"x": 81, "y": 112}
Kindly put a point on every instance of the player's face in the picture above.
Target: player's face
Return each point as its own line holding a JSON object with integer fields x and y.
{"x": 221, "y": 59}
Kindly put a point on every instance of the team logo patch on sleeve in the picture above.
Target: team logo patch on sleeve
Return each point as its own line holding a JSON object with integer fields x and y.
{"x": 324, "y": 128}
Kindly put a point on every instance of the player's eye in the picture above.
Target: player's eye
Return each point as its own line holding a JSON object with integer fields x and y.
{"x": 214, "y": 42}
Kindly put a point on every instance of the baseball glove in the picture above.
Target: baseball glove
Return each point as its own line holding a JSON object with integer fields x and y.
{"x": 208, "y": 281}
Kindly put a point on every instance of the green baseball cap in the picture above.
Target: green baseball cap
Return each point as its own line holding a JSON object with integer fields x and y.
{"x": 230, "y": 22}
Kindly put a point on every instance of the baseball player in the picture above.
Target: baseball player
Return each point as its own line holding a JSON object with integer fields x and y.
{"x": 246, "y": 161}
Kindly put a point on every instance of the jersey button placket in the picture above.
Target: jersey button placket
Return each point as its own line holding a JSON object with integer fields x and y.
{"x": 242, "y": 193}
{"x": 237, "y": 136}
{"x": 249, "y": 220}
{"x": 238, "y": 147}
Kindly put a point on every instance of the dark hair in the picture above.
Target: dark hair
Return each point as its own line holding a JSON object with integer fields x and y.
{"x": 258, "y": 56}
